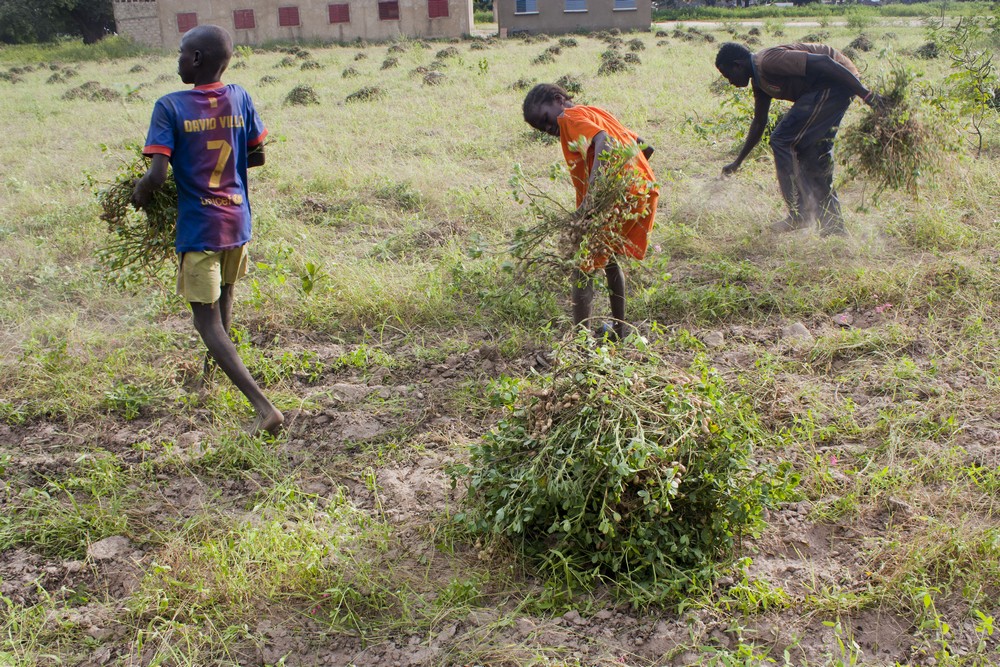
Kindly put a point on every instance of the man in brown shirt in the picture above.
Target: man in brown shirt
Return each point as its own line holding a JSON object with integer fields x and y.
{"x": 821, "y": 81}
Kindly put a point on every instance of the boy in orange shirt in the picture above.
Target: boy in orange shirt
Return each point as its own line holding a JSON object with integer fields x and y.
{"x": 585, "y": 133}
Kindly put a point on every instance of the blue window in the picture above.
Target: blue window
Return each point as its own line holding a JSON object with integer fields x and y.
{"x": 625, "y": 4}
{"x": 526, "y": 7}
{"x": 576, "y": 5}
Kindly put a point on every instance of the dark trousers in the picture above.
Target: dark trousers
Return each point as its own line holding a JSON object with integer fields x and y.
{"x": 803, "y": 156}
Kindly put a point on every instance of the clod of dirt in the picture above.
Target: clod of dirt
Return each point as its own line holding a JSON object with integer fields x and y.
{"x": 366, "y": 94}
{"x": 796, "y": 331}
{"x": 301, "y": 96}
{"x": 109, "y": 548}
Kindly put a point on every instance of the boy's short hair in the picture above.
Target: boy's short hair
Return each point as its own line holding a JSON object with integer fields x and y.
{"x": 540, "y": 94}
{"x": 215, "y": 43}
{"x": 731, "y": 53}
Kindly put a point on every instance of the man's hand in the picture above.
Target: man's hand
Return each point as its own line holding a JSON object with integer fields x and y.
{"x": 876, "y": 101}
{"x": 730, "y": 168}
{"x": 142, "y": 194}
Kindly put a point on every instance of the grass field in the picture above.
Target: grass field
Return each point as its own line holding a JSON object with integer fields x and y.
{"x": 377, "y": 315}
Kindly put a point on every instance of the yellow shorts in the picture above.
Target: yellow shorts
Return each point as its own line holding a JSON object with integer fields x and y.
{"x": 202, "y": 274}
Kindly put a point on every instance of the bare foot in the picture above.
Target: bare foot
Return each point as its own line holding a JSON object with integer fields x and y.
{"x": 270, "y": 423}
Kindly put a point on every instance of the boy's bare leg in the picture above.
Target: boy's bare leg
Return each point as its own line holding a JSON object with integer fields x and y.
{"x": 582, "y": 296}
{"x": 208, "y": 323}
{"x": 226, "y": 312}
{"x": 616, "y": 288}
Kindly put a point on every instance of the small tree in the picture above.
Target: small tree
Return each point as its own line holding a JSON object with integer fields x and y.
{"x": 44, "y": 20}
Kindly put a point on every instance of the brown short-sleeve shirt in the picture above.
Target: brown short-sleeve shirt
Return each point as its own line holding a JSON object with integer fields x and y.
{"x": 780, "y": 71}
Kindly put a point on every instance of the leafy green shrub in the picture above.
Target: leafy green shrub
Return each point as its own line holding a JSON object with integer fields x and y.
{"x": 619, "y": 468}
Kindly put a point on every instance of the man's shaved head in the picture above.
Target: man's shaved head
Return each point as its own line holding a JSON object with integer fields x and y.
{"x": 215, "y": 44}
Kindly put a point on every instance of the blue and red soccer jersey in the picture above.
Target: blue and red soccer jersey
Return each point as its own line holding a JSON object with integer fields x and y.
{"x": 207, "y": 133}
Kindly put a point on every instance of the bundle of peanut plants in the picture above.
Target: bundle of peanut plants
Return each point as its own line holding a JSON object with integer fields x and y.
{"x": 619, "y": 469}
{"x": 141, "y": 241}
{"x": 561, "y": 237}
{"x": 897, "y": 143}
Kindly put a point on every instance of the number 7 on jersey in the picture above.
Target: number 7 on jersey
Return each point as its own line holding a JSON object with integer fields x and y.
{"x": 225, "y": 150}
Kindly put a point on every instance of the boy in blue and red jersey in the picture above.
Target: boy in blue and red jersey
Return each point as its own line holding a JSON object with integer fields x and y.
{"x": 210, "y": 135}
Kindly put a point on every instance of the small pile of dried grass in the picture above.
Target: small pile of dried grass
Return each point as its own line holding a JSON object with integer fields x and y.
{"x": 349, "y": 73}
{"x": 287, "y": 61}
{"x": 613, "y": 63}
{"x": 310, "y": 64}
{"x": 632, "y": 58}
{"x": 570, "y": 84}
{"x": 449, "y": 52}
{"x": 524, "y": 83}
{"x": 544, "y": 58}
{"x": 895, "y": 144}
{"x": 928, "y": 51}
{"x": 141, "y": 241}
{"x": 636, "y": 45}
{"x": 93, "y": 92}
{"x": 360, "y": 55}
{"x": 137, "y": 69}
{"x": 398, "y": 48}
{"x": 302, "y": 95}
{"x": 239, "y": 64}
{"x": 862, "y": 43}
{"x": 434, "y": 78}
{"x": 268, "y": 80}
{"x": 390, "y": 63}
{"x": 568, "y": 42}
{"x": 55, "y": 78}
{"x": 366, "y": 94}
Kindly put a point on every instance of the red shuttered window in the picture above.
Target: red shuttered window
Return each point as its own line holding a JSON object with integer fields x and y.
{"x": 437, "y": 9}
{"x": 340, "y": 13}
{"x": 186, "y": 21}
{"x": 388, "y": 11}
{"x": 288, "y": 17}
{"x": 244, "y": 19}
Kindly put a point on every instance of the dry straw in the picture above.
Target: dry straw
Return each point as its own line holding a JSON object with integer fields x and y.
{"x": 140, "y": 242}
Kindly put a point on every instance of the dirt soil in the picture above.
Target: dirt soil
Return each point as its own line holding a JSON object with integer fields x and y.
{"x": 414, "y": 492}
